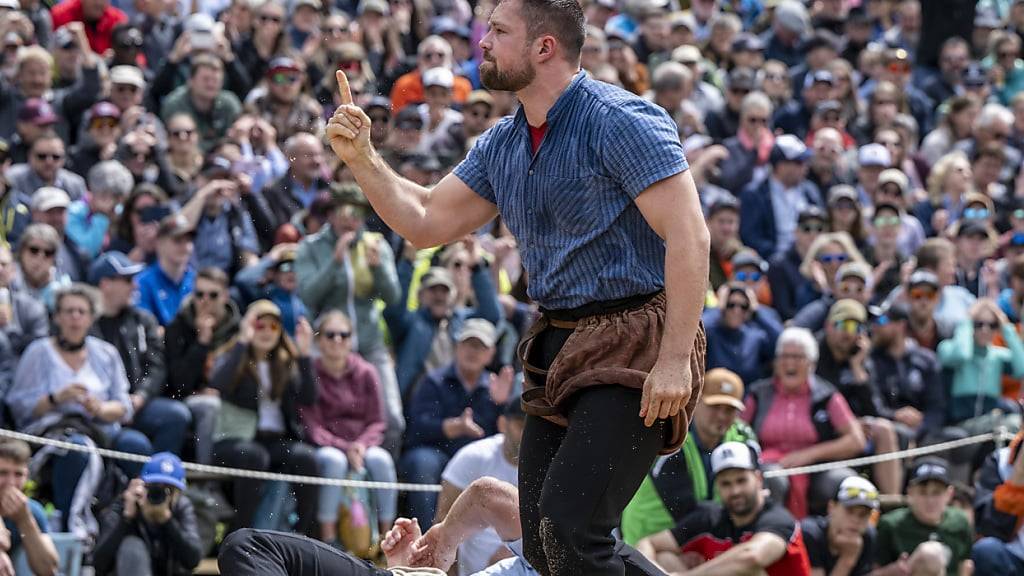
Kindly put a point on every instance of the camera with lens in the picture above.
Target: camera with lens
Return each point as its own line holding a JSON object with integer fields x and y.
{"x": 157, "y": 494}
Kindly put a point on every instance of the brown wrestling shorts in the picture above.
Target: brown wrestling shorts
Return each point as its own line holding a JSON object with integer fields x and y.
{"x": 618, "y": 348}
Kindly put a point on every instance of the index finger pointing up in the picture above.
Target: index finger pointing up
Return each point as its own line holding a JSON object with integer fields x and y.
{"x": 343, "y": 89}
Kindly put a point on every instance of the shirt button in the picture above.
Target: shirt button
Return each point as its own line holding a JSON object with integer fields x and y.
{"x": 530, "y": 172}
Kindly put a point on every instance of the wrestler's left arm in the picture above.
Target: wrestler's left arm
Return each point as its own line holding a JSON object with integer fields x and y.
{"x": 672, "y": 209}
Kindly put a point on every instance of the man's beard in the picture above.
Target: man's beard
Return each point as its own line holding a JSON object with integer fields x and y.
{"x": 508, "y": 81}
{"x": 744, "y": 508}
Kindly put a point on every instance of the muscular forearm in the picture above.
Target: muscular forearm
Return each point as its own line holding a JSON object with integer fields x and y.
{"x": 686, "y": 273}
{"x": 486, "y": 502}
{"x": 399, "y": 202}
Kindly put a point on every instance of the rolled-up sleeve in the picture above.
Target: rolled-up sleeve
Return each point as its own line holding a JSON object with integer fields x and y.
{"x": 473, "y": 170}
{"x": 640, "y": 146}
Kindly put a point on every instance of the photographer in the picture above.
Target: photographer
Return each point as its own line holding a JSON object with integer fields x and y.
{"x": 152, "y": 529}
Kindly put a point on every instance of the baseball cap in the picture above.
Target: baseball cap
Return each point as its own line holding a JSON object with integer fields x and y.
{"x": 724, "y": 203}
{"x": 792, "y": 15}
{"x": 683, "y": 20}
{"x": 822, "y": 76}
{"x": 447, "y": 25}
{"x": 437, "y": 276}
{"x": 841, "y": 192}
{"x": 858, "y": 491}
{"x": 174, "y": 225}
{"x": 971, "y": 228}
{"x": 480, "y": 329}
{"x": 789, "y": 148}
{"x": 894, "y": 176}
{"x": 730, "y": 455}
{"x": 379, "y": 6}
{"x": 847, "y": 309}
{"x": 199, "y": 22}
{"x": 348, "y": 194}
{"x": 408, "y": 119}
{"x": 747, "y": 42}
{"x": 748, "y": 258}
{"x": 893, "y": 312}
{"x": 104, "y": 110}
{"x": 263, "y": 307}
{"x": 854, "y": 270}
{"x": 381, "y": 102}
{"x": 828, "y": 106}
{"x": 164, "y": 468}
{"x": 923, "y": 278}
{"x": 285, "y": 261}
{"x": 811, "y": 212}
{"x": 480, "y": 97}
{"x": 113, "y": 264}
{"x": 932, "y": 468}
{"x": 723, "y": 387}
{"x": 48, "y": 198}
{"x": 687, "y": 54}
{"x": 874, "y": 155}
{"x": 37, "y": 111}
{"x": 283, "y": 64}
{"x": 742, "y": 79}
{"x": 439, "y": 76}
{"x": 130, "y": 75}
{"x": 314, "y": 4}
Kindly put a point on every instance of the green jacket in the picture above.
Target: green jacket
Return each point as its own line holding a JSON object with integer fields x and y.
{"x": 899, "y": 532}
{"x": 648, "y": 513}
{"x": 324, "y": 285}
{"x": 212, "y": 126}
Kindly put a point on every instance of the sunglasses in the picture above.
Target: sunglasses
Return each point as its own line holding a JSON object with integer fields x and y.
{"x": 734, "y": 305}
{"x": 848, "y": 326}
{"x": 883, "y": 221}
{"x": 979, "y": 325}
{"x": 976, "y": 213}
{"x": 126, "y": 88}
{"x": 856, "y": 493}
{"x": 183, "y": 133}
{"x": 833, "y": 258}
{"x": 812, "y": 228}
{"x": 44, "y": 156}
{"x": 36, "y": 251}
{"x": 271, "y": 325}
{"x": 282, "y": 79}
{"x": 336, "y": 335}
{"x": 923, "y": 294}
{"x": 105, "y": 122}
{"x": 336, "y": 30}
{"x": 747, "y": 276}
{"x": 211, "y": 295}
{"x": 757, "y": 120}
{"x": 899, "y": 67}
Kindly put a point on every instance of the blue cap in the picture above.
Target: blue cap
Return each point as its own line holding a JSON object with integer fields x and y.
{"x": 113, "y": 264}
{"x": 164, "y": 468}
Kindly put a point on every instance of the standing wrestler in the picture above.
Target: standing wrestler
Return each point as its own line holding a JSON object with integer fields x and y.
{"x": 593, "y": 183}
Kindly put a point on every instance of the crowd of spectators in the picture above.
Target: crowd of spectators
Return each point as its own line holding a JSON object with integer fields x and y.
{"x": 186, "y": 270}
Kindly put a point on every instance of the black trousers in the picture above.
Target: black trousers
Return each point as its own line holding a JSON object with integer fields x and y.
{"x": 249, "y": 552}
{"x": 574, "y": 482}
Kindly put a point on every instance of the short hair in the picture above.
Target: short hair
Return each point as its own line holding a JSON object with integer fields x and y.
{"x": 17, "y": 451}
{"x": 756, "y": 100}
{"x": 38, "y": 231}
{"x": 671, "y": 76}
{"x": 112, "y": 177}
{"x": 990, "y": 150}
{"x": 562, "y": 19}
{"x": 215, "y": 275}
{"x": 332, "y": 314}
{"x": 992, "y": 113}
{"x": 801, "y": 337}
{"x": 33, "y": 53}
{"x": 81, "y": 290}
{"x": 200, "y": 61}
{"x": 931, "y": 253}
{"x": 46, "y": 137}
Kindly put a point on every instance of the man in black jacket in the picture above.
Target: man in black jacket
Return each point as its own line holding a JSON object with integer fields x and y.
{"x": 152, "y": 529}
{"x": 136, "y": 335}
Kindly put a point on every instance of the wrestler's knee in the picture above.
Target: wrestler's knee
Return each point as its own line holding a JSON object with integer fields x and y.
{"x": 238, "y": 545}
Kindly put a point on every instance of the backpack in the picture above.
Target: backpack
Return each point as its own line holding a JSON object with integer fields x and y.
{"x": 358, "y": 526}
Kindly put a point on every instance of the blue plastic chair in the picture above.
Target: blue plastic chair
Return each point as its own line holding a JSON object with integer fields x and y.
{"x": 69, "y": 551}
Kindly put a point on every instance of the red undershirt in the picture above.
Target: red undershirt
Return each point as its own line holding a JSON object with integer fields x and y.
{"x": 536, "y": 135}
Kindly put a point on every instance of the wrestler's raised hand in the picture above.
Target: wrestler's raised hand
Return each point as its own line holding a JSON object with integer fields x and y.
{"x": 436, "y": 548}
{"x": 349, "y": 128}
{"x": 397, "y": 544}
{"x": 666, "y": 390}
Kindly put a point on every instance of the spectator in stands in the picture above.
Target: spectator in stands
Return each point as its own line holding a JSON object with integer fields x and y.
{"x": 495, "y": 457}
{"x": 740, "y": 82}
{"x": 795, "y": 117}
{"x": 432, "y": 52}
{"x": 24, "y": 519}
{"x": 164, "y": 284}
{"x": 978, "y": 364}
{"x": 792, "y": 437}
{"x": 50, "y": 206}
{"x": 35, "y": 118}
{"x": 746, "y": 533}
{"x": 206, "y": 321}
{"x": 750, "y": 148}
{"x": 135, "y": 232}
{"x": 89, "y": 220}
{"x": 304, "y": 181}
{"x": 678, "y": 483}
{"x": 347, "y": 424}
{"x": 791, "y": 290}
{"x": 221, "y": 218}
{"x": 151, "y": 528}
{"x": 273, "y": 278}
{"x": 845, "y": 214}
{"x": 263, "y": 377}
{"x": 736, "y": 339}
{"x": 442, "y": 124}
{"x": 184, "y": 159}
{"x": 844, "y": 541}
{"x": 948, "y": 184}
{"x": 73, "y": 386}
{"x": 212, "y": 107}
{"x": 837, "y": 270}
{"x": 929, "y": 536}
{"x": 22, "y": 320}
{"x": 997, "y": 509}
{"x": 770, "y": 208}
{"x": 37, "y": 276}
{"x": 100, "y": 141}
{"x": 97, "y": 17}
{"x": 454, "y": 405}
{"x": 45, "y": 167}
{"x": 284, "y": 102}
{"x": 137, "y": 337}
{"x": 723, "y": 221}
{"x": 894, "y": 188}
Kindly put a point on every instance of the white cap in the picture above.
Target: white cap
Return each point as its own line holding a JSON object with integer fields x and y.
{"x": 48, "y": 198}
{"x": 199, "y": 22}
{"x": 874, "y": 155}
{"x": 733, "y": 455}
{"x": 10, "y": 4}
{"x": 438, "y": 77}
{"x": 858, "y": 491}
{"x": 480, "y": 329}
{"x": 124, "y": 74}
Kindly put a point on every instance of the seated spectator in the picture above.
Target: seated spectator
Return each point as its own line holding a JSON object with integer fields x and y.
{"x": 101, "y": 17}
{"x": 433, "y": 51}
{"x": 948, "y": 184}
{"x": 164, "y": 284}
{"x": 844, "y": 541}
{"x": 723, "y": 221}
{"x": 37, "y": 277}
{"x": 790, "y": 289}
{"x": 151, "y": 528}
{"x": 45, "y": 167}
{"x": 786, "y": 414}
{"x": 736, "y": 340}
{"x": 183, "y": 159}
{"x": 24, "y": 519}
{"x": 883, "y": 251}
{"x": 216, "y": 214}
{"x": 273, "y": 278}
{"x": 89, "y": 219}
{"x": 347, "y": 424}
{"x": 837, "y": 271}
{"x": 49, "y": 205}
{"x": 929, "y": 536}
{"x": 978, "y": 365}
{"x": 73, "y": 386}
{"x": 135, "y": 230}
{"x": 495, "y": 457}
{"x": 283, "y": 100}
{"x": 304, "y": 180}
{"x": 206, "y": 321}
{"x": 22, "y": 318}
{"x": 263, "y": 377}
{"x": 204, "y": 98}
{"x": 749, "y": 269}
{"x": 678, "y": 483}
{"x": 845, "y": 214}
{"x": 923, "y": 297}
{"x": 998, "y": 506}
{"x": 137, "y": 337}
{"x": 454, "y": 405}
{"x": 99, "y": 143}
{"x": 746, "y": 533}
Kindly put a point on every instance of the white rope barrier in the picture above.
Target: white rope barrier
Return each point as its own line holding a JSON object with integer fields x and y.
{"x": 999, "y": 436}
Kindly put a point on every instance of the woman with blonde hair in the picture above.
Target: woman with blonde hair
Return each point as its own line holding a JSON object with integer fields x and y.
{"x": 948, "y": 185}
{"x": 835, "y": 269}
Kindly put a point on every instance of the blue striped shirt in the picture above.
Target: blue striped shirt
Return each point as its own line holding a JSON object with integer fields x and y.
{"x": 571, "y": 205}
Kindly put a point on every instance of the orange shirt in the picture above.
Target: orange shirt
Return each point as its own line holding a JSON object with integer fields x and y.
{"x": 408, "y": 89}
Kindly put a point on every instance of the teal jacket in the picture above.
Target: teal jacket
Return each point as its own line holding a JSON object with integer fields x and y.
{"x": 977, "y": 371}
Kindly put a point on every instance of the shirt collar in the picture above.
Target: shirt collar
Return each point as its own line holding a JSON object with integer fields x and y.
{"x": 563, "y": 102}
